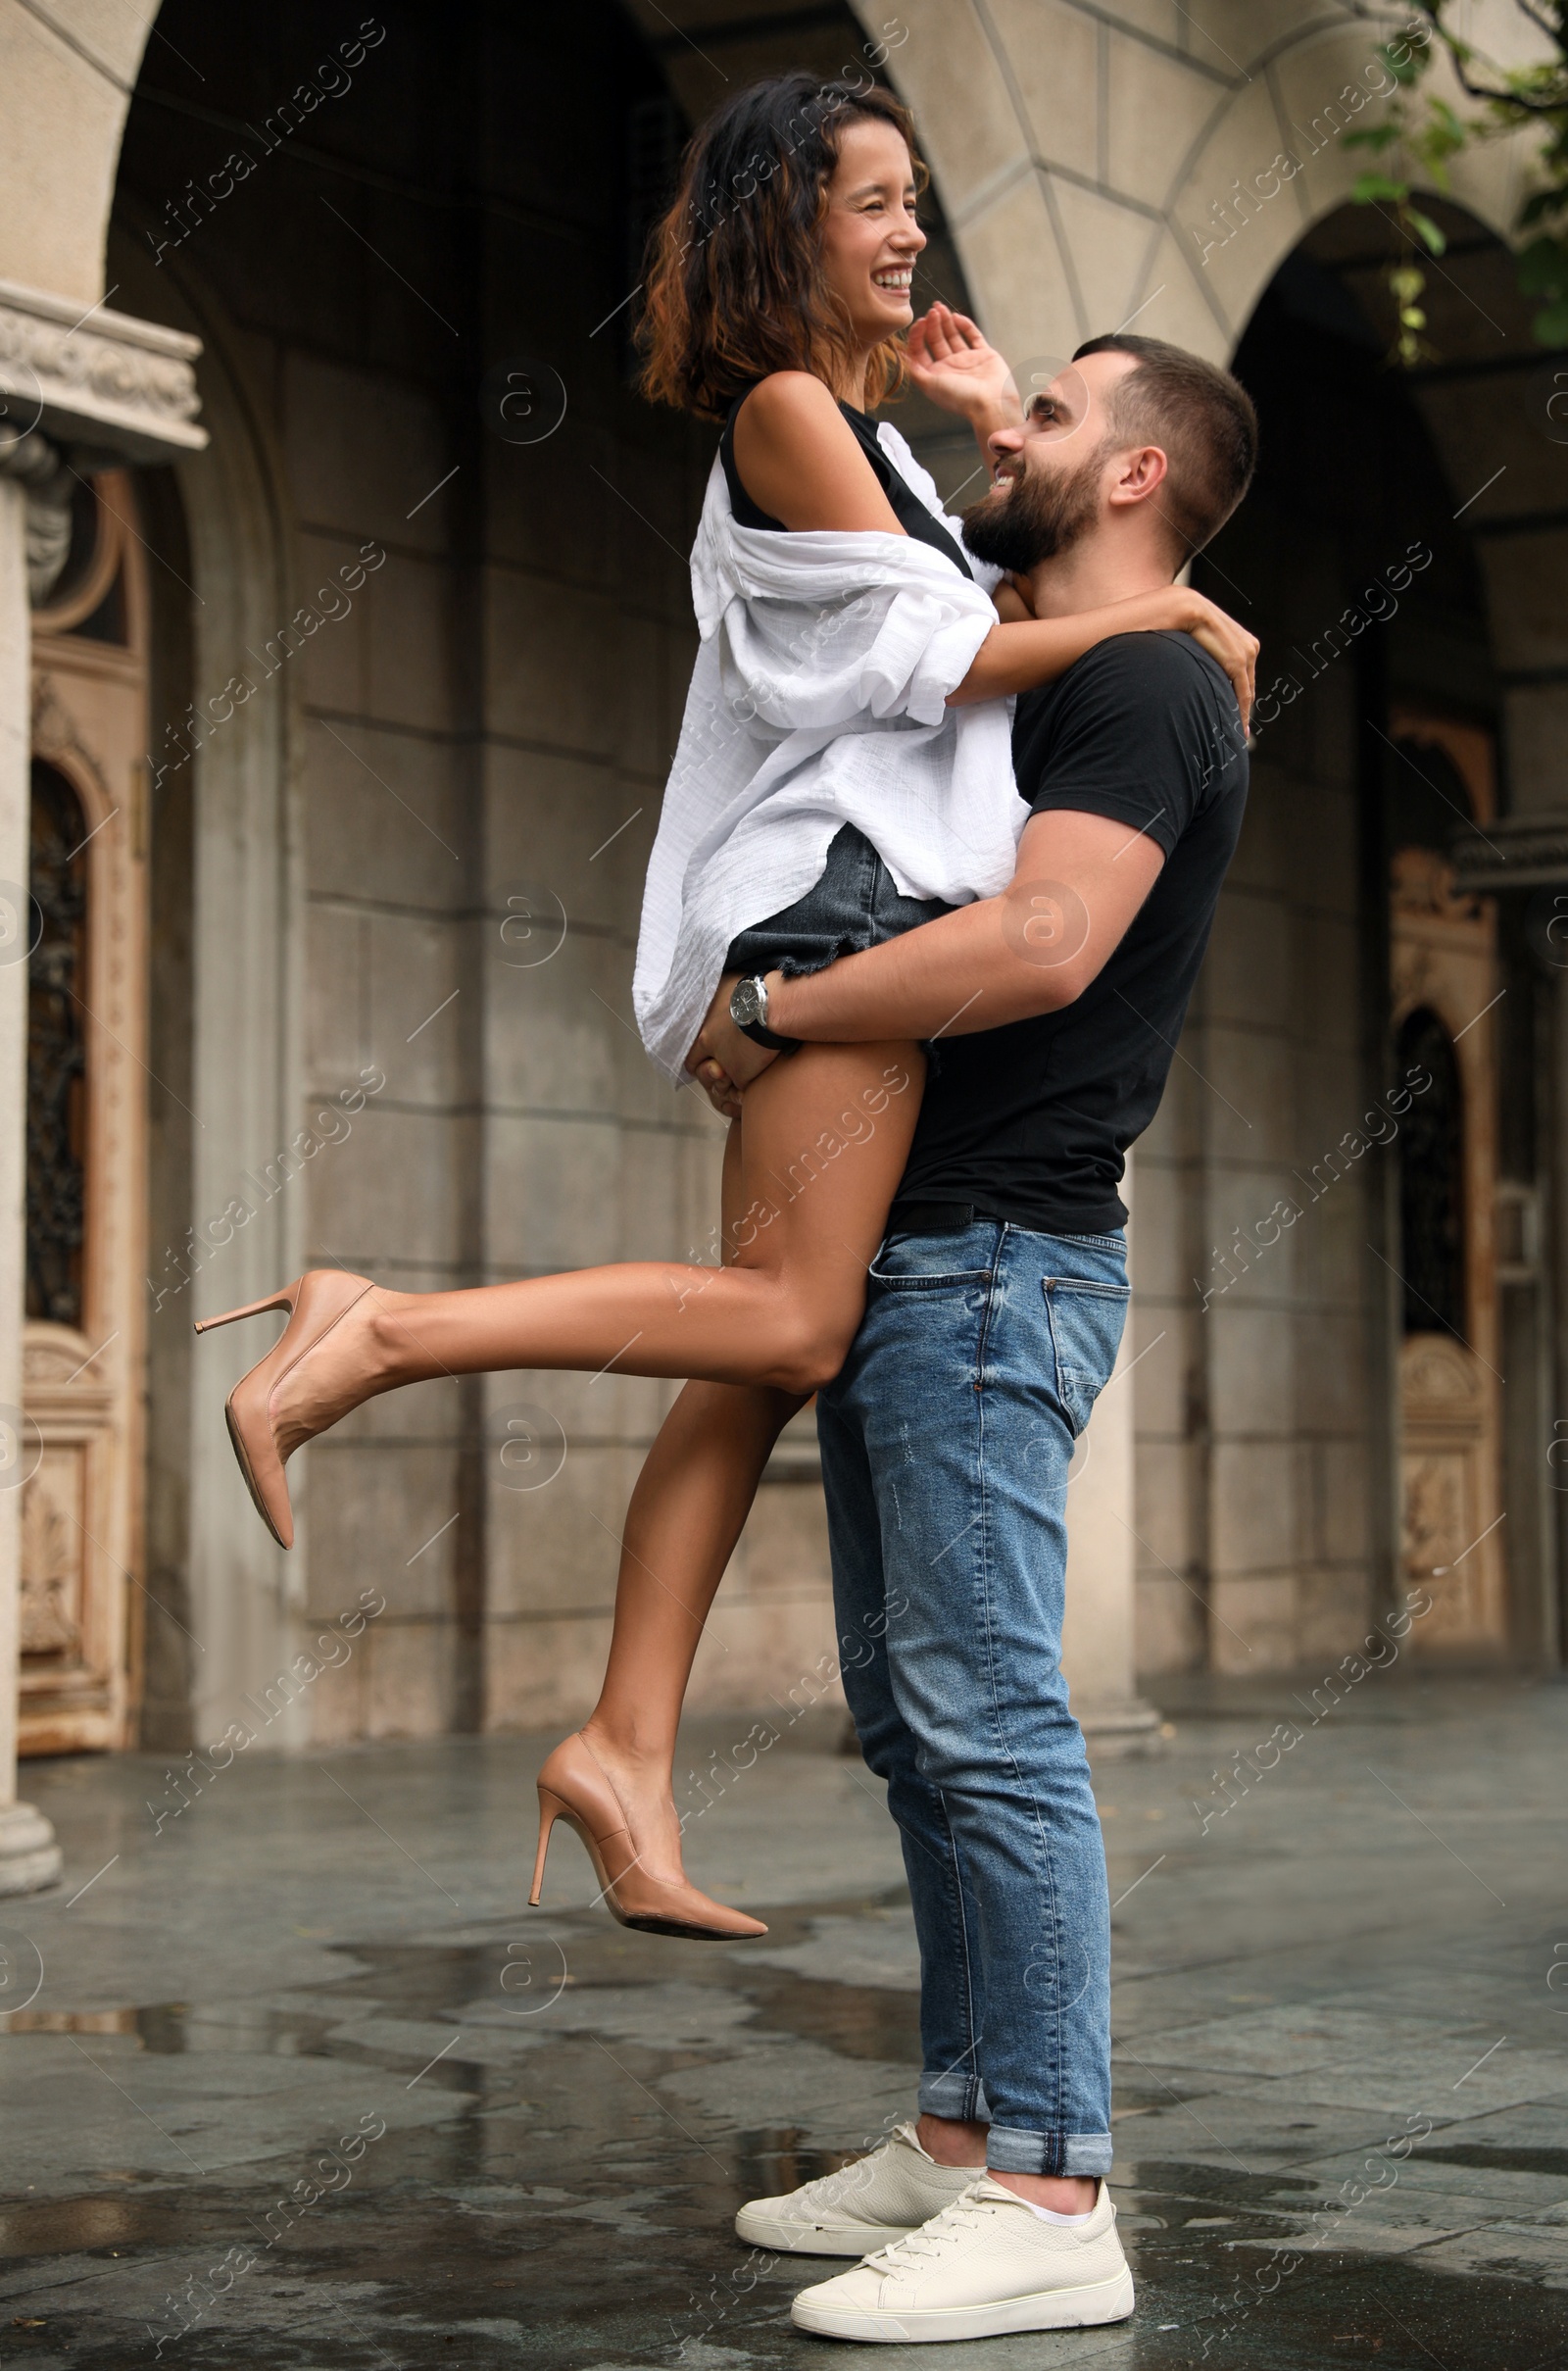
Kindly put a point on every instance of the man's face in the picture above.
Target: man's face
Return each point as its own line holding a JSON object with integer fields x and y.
{"x": 1051, "y": 475}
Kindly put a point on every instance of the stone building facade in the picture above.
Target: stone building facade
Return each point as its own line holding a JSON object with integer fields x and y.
{"x": 344, "y": 629}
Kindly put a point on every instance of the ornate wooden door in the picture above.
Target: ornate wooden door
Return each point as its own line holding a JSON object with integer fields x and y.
{"x": 1445, "y": 986}
{"x": 86, "y": 1155}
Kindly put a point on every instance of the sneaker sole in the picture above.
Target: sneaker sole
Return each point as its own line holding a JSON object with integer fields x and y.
{"x": 816, "y": 2238}
{"x": 1049, "y": 2309}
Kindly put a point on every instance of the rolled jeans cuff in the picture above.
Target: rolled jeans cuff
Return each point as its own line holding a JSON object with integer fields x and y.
{"x": 1067, "y": 2155}
{"x": 958, "y": 2095}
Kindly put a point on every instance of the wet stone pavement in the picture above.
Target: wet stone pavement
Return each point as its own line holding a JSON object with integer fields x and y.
{"x": 298, "y": 2081}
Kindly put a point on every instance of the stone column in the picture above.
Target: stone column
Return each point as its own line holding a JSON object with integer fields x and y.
{"x": 29, "y": 1855}
{"x": 111, "y": 385}
{"x": 1097, "y": 1640}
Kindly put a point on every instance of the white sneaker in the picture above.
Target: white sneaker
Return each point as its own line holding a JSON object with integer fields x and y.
{"x": 984, "y": 2265}
{"x": 864, "y": 2205}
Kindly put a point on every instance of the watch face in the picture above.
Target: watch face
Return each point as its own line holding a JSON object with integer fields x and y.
{"x": 746, "y": 1005}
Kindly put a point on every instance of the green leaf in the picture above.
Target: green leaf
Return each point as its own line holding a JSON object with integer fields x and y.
{"x": 1428, "y": 229}
{"x": 1407, "y": 74}
{"x": 1551, "y": 326}
{"x": 1376, "y": 136}
{"x": 1543, "y": 269}
{"x": 1371, "y": 188}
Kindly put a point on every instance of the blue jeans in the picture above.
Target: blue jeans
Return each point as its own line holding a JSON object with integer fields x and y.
{"x": 947, "y": 1441}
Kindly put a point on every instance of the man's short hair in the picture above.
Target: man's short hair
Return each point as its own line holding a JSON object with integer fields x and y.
{"x": 1202, "y": 421}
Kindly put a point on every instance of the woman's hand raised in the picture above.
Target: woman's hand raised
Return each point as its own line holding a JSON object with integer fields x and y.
{"x": 953, "y": 364}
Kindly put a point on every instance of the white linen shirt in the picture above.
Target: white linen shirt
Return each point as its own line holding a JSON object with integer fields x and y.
{"x": 818, "y": 699}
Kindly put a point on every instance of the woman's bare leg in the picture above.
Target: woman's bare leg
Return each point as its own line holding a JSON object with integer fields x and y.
{"x": 823, "y": 1146}
{"x": 687, "y": 1512}
{"x": 686, "y": 1515}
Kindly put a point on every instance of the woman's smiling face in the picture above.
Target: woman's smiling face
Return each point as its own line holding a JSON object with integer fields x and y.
{"x": 870, "y": 238}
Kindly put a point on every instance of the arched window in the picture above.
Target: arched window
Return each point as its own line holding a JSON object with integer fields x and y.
{"x": 1432, "y": 1181}
{"x": 56, "y": 1050}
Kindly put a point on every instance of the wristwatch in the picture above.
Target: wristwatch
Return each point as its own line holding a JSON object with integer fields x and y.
{"x": 748, "y": 1009}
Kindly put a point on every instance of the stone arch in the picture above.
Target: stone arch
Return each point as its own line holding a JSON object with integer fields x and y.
{"x": 1075, "y": 159}
{"x": 66, "y": 81}
{"x": 245, "y": 921}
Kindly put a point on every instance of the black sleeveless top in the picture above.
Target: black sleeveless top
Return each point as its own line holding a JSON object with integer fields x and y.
{"x": 907, "y": 508}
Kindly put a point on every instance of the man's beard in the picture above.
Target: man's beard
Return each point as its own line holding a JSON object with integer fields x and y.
{"x": 1044, "y": 516}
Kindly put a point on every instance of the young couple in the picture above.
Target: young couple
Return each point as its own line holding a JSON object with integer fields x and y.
{"x": 932, "y": 959}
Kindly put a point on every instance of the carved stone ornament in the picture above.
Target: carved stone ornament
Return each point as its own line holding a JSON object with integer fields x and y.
{"x": 1515, "y": 852}
{"x": 42, "y": 470}
{"x": 49, "y": 1577}
{"x": 1423, "y": 883}
{"x": 1440, "y": 1374}
{"x": 96, "y": 376}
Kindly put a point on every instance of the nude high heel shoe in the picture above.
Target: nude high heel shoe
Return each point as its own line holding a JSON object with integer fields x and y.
{"x": 317, "y": 1302}
{"x": 575, "y": 1787}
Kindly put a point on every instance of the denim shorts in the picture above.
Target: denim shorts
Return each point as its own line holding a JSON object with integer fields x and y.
{"x": 854, "y": 905}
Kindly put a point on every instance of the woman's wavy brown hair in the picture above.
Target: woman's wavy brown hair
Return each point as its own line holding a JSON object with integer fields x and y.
{"x": 734, "y": 284}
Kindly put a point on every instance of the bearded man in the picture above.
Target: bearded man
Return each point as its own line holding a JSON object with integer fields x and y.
{"x": 994, "y": 1316}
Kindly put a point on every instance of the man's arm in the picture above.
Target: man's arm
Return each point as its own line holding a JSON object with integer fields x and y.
{"x": 1078, "y": 883}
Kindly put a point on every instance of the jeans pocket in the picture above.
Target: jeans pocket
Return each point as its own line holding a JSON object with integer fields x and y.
{"x": 1086, "y": 1328}
{"x": 914, "y": 1264}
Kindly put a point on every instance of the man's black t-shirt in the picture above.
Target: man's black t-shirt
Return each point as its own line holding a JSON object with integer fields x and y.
{"x": 1030, "y": 1122}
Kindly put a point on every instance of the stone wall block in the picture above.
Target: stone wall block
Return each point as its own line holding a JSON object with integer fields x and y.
{"x": 1260, "y": 863}
{"x": 363, "y": 450}
{"x": 1165, "y": 1482}
{"x": 1235, "y": 239}
{"x": 1050, "y": 49}
{"x": 397, "y": 1191}
{"x": 1525, "y": 577}
{"x": 1473, "y": 417}
{"x": 371, "y": 1507}
{"x": 1316, "y": 828}
{"x": 555, "y": 1550}
{"x": 383, "y": 815}
{"x": 551, "y": 1028}
{"x": 554, "y": 1195}
{"x": 1330, "y": 1379}
{"x": 410, "y": 672}
{"x": 1163, "y": 1339}
{"x": 1111, "y": 246}
{"x": 553, "y": 645}
{"x": 1247, "y": 970}
{"x": 1254, "y": 1623}
{"x": 1536, "y": 733}
{"x": 547, "y": 823}
{"x": 335, "y": 971}
{"x": 1251, "y": 1369}
{"x": 1344, "y": 1511}
{"x": 637, "y": 696}
{"x": 1328, "y": 953}
{"x": 538, "y": 1673}
{"x": 1155, "y": 105}
{"x": 1170, "y": 1628}
{"x": 1334, "y": 1617}
{"x": 416, "y": 979}
{"x": 1256, "y": 1523}
{"x": 1029, "y": 316}
{"x": 953, "y": 79}
{"x": 1250, "y": 1098}
{"x": 410, "y": 1684}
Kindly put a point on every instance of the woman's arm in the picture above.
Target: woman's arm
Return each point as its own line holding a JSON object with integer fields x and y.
{"x": 1015, "y": 657}
{"x": 799, "y": 459}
